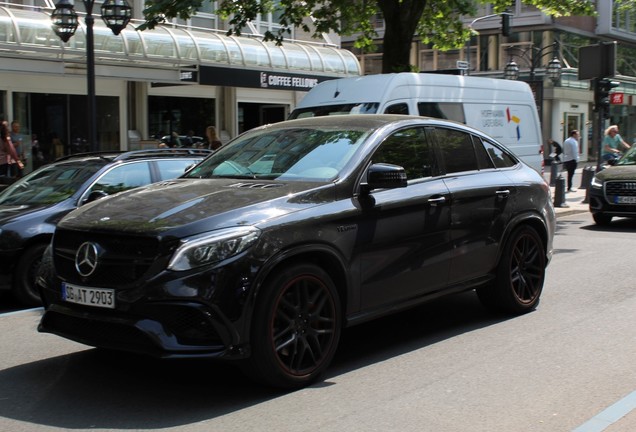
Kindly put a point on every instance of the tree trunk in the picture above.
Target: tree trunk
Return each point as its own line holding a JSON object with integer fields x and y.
{"x": 400, "y": 23}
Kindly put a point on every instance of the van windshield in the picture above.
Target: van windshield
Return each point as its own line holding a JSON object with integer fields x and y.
{"x": 342, "y": 109}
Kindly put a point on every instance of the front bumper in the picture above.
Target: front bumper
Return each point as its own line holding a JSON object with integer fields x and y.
{"x": 162, "y": 329}
{"x": 605, "y": 204}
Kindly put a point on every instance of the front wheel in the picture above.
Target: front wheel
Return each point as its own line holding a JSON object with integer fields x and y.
{"x": 295, "y": 328}
{"x": 601, "y": 218}
{"x": 520, "y": 274}
{"x": 24, "y": 288}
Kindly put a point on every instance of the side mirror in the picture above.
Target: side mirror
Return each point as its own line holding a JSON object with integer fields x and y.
{"x": 385, "y": 176}
{"x": 612, "y": 161}
{"x": 95, "y": 195}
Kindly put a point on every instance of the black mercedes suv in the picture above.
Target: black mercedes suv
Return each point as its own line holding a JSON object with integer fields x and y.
{"x": 264, "y": 251}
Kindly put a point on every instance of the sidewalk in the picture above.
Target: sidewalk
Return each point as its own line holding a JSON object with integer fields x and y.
{"x": 573, "y": 200}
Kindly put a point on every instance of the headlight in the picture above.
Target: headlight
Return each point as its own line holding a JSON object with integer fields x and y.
{"x": 596, "y": 183}
{"x": 212, "y": 247}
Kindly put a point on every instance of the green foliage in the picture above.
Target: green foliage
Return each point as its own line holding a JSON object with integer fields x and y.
{"x": 437, "y": 22}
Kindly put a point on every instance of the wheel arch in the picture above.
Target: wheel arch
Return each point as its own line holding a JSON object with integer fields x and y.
{"x": 322, "y": 255}
{"x": 529, "y": 219}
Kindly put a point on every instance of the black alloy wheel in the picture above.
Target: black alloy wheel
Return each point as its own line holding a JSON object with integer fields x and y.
{"x": 296, "y": 328}
{"x": 520, "y": 274}
{"x": 24, "y": 288}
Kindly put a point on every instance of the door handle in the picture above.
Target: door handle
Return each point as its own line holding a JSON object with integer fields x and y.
{"x": 503, "y": 193}
{"x": 435, "y": 201}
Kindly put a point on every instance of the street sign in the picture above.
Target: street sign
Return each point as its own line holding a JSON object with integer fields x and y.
{"x": 597, "y": 61}
{"x": 462, "y": 65}
{"x": 617, "y": 98}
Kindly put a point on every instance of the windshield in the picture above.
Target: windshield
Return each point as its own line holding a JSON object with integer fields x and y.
{"x": 49, "y": 185}
{"x": 628, "y": 158}
{"x": 283, "y": 154}
{"x": 342, "y": 109}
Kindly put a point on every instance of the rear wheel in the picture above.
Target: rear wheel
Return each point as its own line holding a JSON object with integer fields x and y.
{"x": 295, "y": 328}
{"x": 520, "y": 274}
{"x": 602, "y": 218}
{"x": 24, "y": 289}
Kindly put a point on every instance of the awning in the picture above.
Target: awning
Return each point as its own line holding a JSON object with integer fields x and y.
{"x": 27, "y": 34}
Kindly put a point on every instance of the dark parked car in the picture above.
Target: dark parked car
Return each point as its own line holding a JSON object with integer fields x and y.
{"x": 31, "y": 207}
{"x": 268, "y": 248}
{"x": 613, "y": 190}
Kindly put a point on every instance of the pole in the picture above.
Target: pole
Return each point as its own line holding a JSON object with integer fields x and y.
{"x": 90, "y": 76}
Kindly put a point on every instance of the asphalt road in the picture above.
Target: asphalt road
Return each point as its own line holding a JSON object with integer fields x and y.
{"x": 445, "y": 366}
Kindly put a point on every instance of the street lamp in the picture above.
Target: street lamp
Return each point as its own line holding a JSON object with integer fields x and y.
{"x": 553, "y": 69}
{"x": 116, "y": 14}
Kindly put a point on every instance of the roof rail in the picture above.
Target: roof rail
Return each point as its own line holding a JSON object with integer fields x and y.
{"x": 163, "y": 152}
{"x": 137, "y": 154}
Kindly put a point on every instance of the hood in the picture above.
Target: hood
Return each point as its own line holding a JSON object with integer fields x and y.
{"x": 9, "y": 213}
{"x": 197, "y": 205}
{"x": 618, "y": 172}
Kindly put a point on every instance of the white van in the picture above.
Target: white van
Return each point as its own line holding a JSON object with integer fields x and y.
{"x": 505, "y": 110}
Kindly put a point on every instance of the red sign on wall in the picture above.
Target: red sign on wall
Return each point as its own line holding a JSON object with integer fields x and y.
{"x": 617, "y": 98}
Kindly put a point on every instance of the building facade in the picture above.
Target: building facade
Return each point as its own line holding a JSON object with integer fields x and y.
{"x": 535, "y": 39}
{"x": 179, "y": 77}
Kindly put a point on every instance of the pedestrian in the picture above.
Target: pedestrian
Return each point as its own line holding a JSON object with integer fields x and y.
{"x": 19, "y": 146}
{"x": 557, "y": 150}
{"x": 214, "y": 143}
{"x": 175, "y": 141}
{"x": 571, "y": 156}
{"x": 612, "y": 143}
{"x": 8, "y": 153}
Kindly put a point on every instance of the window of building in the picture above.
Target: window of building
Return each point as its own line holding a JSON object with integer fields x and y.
{"x": 179, "y": 114}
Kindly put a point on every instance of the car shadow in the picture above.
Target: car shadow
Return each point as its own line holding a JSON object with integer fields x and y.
{"x": 98, "y": 389}
{"x": 618, "y": 224}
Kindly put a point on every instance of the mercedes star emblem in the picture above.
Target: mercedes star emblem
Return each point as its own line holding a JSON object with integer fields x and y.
{"x": 86, "y": 259}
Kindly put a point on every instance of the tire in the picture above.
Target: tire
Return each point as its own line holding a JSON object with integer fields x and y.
{"x": 295, "y": 328}
{"x": 520, "y": 275}
{"x": 601, "y": 218}
{"x": 24, "y": 288}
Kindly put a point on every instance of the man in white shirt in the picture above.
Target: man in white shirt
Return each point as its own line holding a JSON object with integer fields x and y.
{"x": 571, "y": 156}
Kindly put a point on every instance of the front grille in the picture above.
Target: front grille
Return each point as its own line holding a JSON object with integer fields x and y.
{"x": 621, "y": 188}
{"x": 98, "y": 333}
{"x": 123, "y": 259}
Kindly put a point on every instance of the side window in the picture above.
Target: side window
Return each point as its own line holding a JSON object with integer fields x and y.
{"x": 457, "y": 150}
{"x": 400, "y": 108}
{"x": 500, "y": 158}
{"x": 483, "y": 158}
{"x": 410, "y": 149}
{"x": 123, "y": 177}
{"x": 442, "y": 110}
{"x": 169, "y": 169}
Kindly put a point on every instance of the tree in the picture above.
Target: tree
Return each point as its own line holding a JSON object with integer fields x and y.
{"x": 437, "y": 22}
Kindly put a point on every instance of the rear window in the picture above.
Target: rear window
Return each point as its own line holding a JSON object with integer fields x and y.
{"x": 341, "y": 109}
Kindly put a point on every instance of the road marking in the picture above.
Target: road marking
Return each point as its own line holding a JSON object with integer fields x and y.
{"x": 20, "y": 311}
{"x": 610, "y": 415}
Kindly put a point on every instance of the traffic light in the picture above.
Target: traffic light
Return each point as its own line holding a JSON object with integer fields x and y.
{"x": 602, "y": 90}
{"x": 505, "y": 23}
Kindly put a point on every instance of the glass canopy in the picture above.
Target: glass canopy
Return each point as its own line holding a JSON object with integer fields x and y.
{"x": 28, "y": 34}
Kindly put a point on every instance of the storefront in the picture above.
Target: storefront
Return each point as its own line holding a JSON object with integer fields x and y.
{"x": 150, "y": 83}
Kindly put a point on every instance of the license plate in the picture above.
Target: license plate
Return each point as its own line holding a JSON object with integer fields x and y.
{"x": 625, "y": 200}
{"x": 98, "y": 297}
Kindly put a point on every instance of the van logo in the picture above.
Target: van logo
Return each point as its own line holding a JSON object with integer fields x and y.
{"x": 516, "y": 120}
